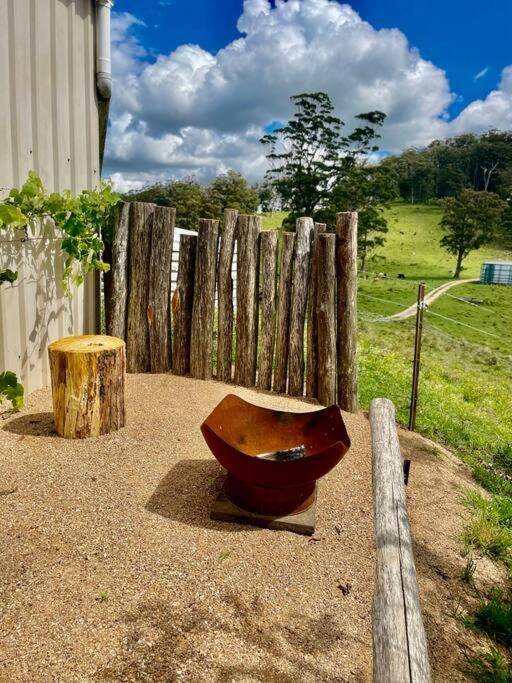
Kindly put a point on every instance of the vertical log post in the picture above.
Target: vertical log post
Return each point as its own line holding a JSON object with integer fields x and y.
{"x": 326, "y": 318}
{"x": 312, "y": 338}
{"x": 158, "y": 311}
{"x": 283, "y": 318}
{"x": 346, "y": 274}
{"x": 225, "y": 290}
{"x": 299, "y": 291}
{"x": 268, "y": 247}
{"x": 138, "y": 358}
{"x": 182, "y": 302}
{"x": 204, "y": 299}
{"x": 248, "y": 229}
{"x": 118, "y": 294}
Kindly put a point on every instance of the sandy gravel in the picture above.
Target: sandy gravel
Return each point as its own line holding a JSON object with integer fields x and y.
{"x": 111, "y": 570}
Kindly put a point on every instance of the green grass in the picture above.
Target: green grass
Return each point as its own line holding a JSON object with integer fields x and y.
{"x": 489, "y": 667}
{"x": 272, "y": 221}
{"x": 494, "y": 618}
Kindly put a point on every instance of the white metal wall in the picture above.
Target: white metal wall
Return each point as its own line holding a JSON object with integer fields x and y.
{"x": 48, "y": 122}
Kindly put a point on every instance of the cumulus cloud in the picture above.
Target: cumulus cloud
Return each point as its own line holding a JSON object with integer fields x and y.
{"x": 192, "y": 112}
{"x": 495, "y": 111}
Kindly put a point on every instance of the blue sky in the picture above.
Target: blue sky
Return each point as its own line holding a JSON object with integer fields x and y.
{"x": 441, "y": 72}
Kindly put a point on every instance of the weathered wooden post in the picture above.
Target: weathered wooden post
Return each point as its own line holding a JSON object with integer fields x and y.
{"x": 118, "y": 294}
{"x": 326, "y": 319}
{"x": 268, "y": 248}
{"x": 312, "y": 338}
{"x": 400, "y": 650}
{"x": 137, "y": 351}
{"x": 225, "y": 290}
{"x": 299, "y": 291}
{"x": 346, "y": 273}
{"x": 182, "y": 302}
{"x": 87, "y": 385}
{"x": 204, "y": 299}
{"x": 158, "y": 311}
{"x": 248, "y": 230}
{"x": 283, "y": 318}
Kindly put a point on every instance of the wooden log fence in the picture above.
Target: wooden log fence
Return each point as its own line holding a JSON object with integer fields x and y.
{"x": 400, "y": 653}
{"x": 291, "y": 329}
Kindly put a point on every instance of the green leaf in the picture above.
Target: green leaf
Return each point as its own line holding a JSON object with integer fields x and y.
{"x": 11, "y": 389}
{"x": 11, "y": 216}
{"x": 8, "y": 276}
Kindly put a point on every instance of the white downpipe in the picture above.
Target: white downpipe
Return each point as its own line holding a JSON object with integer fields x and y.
{"x": 103, "y": 58}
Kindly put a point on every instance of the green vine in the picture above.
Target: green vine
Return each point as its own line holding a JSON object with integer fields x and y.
{"x": 11, "y": 389}
{"x": 81, "y": 220}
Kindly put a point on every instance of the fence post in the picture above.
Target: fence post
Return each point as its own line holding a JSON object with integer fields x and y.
{"x": 247, "y": 271}
{"x": 137, "y": 346}
{"x": 158, "y": 311}
{"x": 268, "y": 248}
{"x": 118, "y": 290}
{"x": 225, "y": 290}
{"x": 325, "y": 313}
{"x": 346, "y": 273}
{"x": 417, "y": 353}
{"x": 300, "y": 283}
{"x": 182, "y": 302}
{"x": 312, "y": 332}
{"x": 283, "y": 318}
{"x": 201, "y": 343}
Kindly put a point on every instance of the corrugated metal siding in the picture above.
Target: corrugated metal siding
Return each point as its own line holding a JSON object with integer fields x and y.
{"x": 48, "y": 122}
{"x": 49, "y": 114}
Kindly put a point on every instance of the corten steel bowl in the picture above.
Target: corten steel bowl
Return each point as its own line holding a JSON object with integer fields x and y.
{"x": 236, "y": 431}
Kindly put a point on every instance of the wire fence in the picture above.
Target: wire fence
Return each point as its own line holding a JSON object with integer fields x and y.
{"x": 403, "y": 401}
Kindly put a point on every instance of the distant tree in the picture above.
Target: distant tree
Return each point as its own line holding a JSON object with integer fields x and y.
{"x": 230, "y": 191}
{"x": 186, "y": 195}
{"x": 309, "y": 155}
{"x": 194, "y": 201}
{"x": 367, "y": 190}
{"x": 470, "y": 221}
{"x": 269, "y": 199}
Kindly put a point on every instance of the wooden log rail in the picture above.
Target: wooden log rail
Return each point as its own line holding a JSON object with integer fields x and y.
{"x": 400, "y": 652}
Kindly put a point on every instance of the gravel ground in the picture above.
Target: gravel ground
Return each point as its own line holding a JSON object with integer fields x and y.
{"x": 111, "y": 570}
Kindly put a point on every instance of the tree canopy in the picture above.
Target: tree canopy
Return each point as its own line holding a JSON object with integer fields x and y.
{"x": 470, "y": 221}
{"x": 309, "y": 156}
{"x": 194, "y": 201}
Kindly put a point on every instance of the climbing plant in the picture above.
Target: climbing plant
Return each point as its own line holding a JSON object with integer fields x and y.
{"x": 81, "y": 221}
{"x": 11, "y": 389}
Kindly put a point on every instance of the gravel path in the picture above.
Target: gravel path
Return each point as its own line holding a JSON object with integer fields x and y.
{"x": 110, "y": 568}
{"x": 429, "y": 298}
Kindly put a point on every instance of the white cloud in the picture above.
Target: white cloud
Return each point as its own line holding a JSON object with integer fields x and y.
{"x": 481, "y": 73}
{"x": 495, "y": 111}
{"x": 194, "y": 112}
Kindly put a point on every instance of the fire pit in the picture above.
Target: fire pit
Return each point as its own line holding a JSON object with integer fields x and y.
{"x": 274, "y": 458}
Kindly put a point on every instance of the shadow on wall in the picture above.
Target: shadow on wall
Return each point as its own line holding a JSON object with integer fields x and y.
{"x": 34, "y": 310}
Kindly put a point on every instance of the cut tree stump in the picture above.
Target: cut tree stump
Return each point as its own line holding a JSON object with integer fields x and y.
{"x": 87, "y": 385}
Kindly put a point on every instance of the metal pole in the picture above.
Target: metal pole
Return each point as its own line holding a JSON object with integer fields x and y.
{"x": 417, "y": 352}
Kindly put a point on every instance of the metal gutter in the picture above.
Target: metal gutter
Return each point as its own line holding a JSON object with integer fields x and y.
{"x": 103, "y": 68}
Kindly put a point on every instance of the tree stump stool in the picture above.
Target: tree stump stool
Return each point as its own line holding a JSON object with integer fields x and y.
{"x": 87, "y": 385}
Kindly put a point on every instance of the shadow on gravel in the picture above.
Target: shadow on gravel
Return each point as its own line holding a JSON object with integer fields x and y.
{"x": 35, "y": 424}
{"x": 187, "y": 492}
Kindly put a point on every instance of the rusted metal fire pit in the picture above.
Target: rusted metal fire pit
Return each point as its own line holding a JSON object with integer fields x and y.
{"x": 237, "y": 432}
